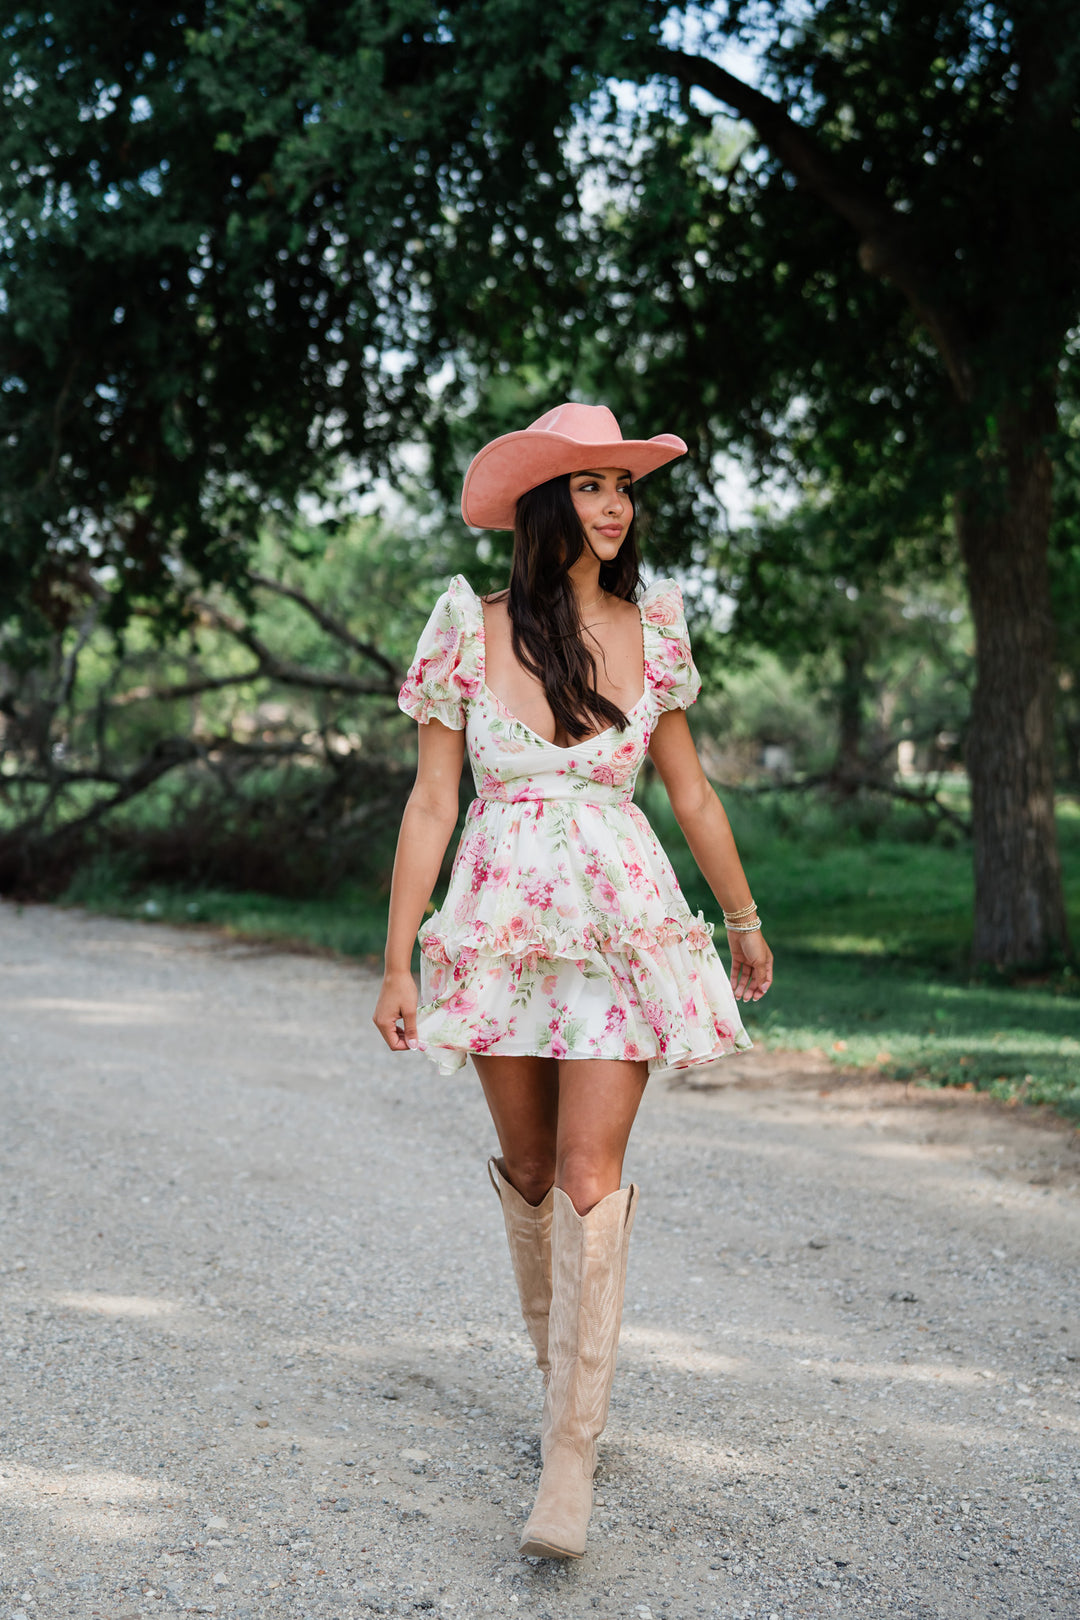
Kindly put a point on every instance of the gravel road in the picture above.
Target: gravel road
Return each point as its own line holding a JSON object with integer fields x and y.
{"x": 262, "y": 1355}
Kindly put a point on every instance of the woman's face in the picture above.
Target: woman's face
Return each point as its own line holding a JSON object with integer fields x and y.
{"x": 602, "y": 500}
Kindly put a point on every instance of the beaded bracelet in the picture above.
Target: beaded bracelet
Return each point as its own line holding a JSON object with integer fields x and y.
{"x": 743, "y": 911}
{"x": 743, "y": 928}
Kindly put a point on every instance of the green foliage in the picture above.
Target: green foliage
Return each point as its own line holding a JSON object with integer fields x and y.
{"x": 352, "y": 923}
{"x": 240, "y": 240}
{"x": 261, "y": 746}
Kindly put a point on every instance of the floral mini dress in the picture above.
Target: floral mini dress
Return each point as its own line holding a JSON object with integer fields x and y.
{"x": 564, "y": 932}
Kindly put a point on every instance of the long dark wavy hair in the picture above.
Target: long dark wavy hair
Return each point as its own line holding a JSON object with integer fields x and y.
{"x": 544, "y": 619}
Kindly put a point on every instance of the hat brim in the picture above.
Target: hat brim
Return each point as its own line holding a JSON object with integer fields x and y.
{"x": 503, "y": 470}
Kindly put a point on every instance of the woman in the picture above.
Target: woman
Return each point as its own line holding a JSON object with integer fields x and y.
{"x": 565, "y": 960}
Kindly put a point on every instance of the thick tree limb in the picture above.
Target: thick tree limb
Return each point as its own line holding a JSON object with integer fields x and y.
{"x": 886, "y": 238}
{"x": 272, "y": 667}
{"x": 184, "y": 689}
{"x": 327, "y": 622}
{"x": 869, "y": 782}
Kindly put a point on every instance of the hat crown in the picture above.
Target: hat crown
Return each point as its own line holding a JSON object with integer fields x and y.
{"x": 588, "y": 424}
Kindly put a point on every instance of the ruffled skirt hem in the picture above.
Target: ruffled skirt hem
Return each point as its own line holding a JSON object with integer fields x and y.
{"x": 449, "y": 1059}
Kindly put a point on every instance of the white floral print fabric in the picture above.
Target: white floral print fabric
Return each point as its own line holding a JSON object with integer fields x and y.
{"x": 564, "y": 932}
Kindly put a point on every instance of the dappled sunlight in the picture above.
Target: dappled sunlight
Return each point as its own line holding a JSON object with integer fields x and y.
{"x": 894, "y": 1372}
{"x": 676, "y": 1352}
{"x": 97, "y": 1012}
{"x": 126, "y": 1305}
{"x": 103, "y": 1504}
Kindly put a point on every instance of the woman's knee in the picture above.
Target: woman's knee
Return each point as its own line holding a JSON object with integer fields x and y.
{"x": 587, "y": 1177}
{"x": 531, "y": 1172}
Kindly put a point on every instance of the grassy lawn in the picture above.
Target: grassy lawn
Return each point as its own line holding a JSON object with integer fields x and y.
{"x": 870, "y": 937}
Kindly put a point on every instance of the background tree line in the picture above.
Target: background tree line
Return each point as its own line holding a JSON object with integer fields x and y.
{"x": 259, "y": 256}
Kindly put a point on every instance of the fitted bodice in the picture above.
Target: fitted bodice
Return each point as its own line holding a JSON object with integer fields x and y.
{"x": 511, "y": 762}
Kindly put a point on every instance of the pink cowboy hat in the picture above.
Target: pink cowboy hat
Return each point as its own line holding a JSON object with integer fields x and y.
{"x": 571, "y": 438}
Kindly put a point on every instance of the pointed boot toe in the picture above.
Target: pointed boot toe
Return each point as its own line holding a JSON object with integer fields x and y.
{"x": 560, "y": 1515}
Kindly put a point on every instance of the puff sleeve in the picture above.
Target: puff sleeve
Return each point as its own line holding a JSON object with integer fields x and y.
{"x": 669, "y": 665}
{"x": 445, "y": 672}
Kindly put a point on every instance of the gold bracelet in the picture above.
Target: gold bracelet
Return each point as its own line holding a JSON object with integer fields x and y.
{"x": 743, "y": 911}
{"x": 744, "y": 928}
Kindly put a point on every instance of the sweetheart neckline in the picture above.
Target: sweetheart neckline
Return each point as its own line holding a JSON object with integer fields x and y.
{"x": 583, "y": 742}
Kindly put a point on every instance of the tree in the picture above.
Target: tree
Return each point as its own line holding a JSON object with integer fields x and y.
{"x": 242, "y": 237}
{"x": 880, "y": 293}
{"x": 218, "y": 223}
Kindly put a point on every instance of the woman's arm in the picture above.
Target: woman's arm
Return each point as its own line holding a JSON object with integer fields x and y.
{"x": 708, "y": 832}
{"x": 429, "y": 820}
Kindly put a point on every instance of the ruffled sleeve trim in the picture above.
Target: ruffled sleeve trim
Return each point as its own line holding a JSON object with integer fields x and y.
{"x": 669, "y": 664}
{"x": 447, "y": 670}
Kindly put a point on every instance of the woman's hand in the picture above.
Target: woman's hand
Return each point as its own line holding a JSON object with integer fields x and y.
{"x": 397, "y": 1002}
{"x": 751, "y": 965}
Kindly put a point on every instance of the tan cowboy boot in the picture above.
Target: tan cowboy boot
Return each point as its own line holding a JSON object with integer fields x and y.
{"x": 588, "y": 1255}
{"x": 528, "y": 1232}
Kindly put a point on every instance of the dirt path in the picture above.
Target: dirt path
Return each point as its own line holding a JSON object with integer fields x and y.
{"x": 262, "y": 1355}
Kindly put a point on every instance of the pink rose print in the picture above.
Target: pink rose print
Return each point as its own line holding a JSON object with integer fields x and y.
{"x": 662, "y": 679}
{"x": 632, "y": 1052}
{"x": 654, "y": 1012}
{"x": 460, "y": 1003}
{"x": 723, "y": 1029}
{"x": 440, "y": 667}
{"x": 492, "y": 788}
{"x": 549, "y": 983}
{"x": 607, "y": 895}
{"x": 666, "y": 609}
{"x": 559, "y": 1048}
{"x": 616, "y": 1021}
{"x": 603, "y": 775}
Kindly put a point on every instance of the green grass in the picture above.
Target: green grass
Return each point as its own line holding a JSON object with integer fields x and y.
{"x": 870, "y": 936}
{"x": 353, "y": 922}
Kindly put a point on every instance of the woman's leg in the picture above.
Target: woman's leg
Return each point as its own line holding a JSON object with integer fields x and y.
{"x": 523, "y": 1097}
{"x": 590, "y": 1233}
{"x": 598, "y": 1103}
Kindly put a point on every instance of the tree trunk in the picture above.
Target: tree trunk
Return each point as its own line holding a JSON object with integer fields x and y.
{"x": 1003, "y": 529}
{"x": 849, "y": 768}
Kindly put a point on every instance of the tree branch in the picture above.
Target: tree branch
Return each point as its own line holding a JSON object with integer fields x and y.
{"x": 332, "y": 626}
{"x": 184, "y": 689}
{"x": 280, "y": 669}
{"x": 867, "y": 781}
{"x": 885, "y": 237}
